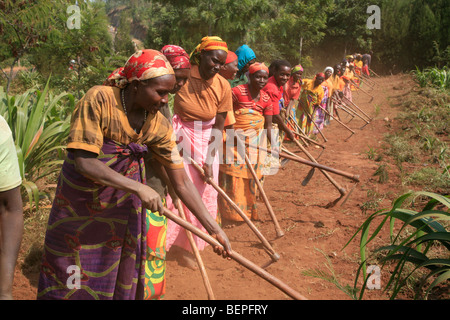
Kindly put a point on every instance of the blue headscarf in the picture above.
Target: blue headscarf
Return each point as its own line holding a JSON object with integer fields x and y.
{"x": 245, "y": 54}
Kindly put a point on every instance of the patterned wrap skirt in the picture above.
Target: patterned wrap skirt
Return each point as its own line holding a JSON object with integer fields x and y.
{"x": 96, "y": 244}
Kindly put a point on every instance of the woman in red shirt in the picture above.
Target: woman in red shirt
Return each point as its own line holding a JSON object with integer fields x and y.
{"x": 253, "y": 110}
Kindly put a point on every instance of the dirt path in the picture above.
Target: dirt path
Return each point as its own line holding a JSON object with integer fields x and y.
{"x": 314, "y": 234}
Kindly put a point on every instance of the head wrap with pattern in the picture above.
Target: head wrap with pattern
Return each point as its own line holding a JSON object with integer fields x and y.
{"x": 177, "y": 56}
{"x": 297, "y": 68}
{"x": 142, "y": 65}
{"x": 209, "y": 43}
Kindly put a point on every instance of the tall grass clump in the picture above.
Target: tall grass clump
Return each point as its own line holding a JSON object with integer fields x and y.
{"x": 419, "y": 251}
{"x": 40, "y": 123}
{"x": 433, "y": 77}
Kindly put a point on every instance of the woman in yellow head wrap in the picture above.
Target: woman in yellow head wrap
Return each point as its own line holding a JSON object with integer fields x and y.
{"x": 200, "y": 109}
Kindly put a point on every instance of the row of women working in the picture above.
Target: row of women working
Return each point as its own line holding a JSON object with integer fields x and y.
{"x": 124, "y": 167}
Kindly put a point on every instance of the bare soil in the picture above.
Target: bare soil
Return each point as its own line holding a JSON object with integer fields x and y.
{"x": 315, "y": 233}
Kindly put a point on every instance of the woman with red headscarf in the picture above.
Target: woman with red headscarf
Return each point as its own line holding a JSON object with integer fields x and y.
{"x": 200, "y": 109}
{"x": 95, "y": 245}
{"x": 253, "y": 110}
{"x": 230, "y": 69}
{"x": 158, "y": 180}
{"x": 179, "y": 60}
{"x": 310, "y": 99}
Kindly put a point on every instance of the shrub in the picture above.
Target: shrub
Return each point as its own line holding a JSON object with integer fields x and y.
{"x": 40, "y": 123}
{"x": 425, "y": 248}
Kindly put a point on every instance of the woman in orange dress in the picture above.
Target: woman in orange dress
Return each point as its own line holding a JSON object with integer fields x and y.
{"x": 253, "y": 112}
{"x": 200, "y": 109}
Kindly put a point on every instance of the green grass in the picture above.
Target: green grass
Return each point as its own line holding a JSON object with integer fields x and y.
{"x": 430, "y": 179}
{"x": 433, "y": 77}
{"x": 421, "y": 136}
{"x": 418, "y": 249}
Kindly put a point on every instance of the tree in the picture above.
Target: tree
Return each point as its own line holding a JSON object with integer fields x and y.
{"x": 24, "y": 25}
{"x": 346, "y": 30}
{"x": 88, "y": 45}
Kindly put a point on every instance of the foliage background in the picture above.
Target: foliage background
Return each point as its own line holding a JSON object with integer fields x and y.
{"x": 315, "y": 33}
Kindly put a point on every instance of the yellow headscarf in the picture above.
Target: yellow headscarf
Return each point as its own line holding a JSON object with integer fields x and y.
{"x": 208, "y": 43}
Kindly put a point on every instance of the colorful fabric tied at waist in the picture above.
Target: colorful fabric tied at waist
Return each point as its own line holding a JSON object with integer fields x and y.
{"x": 306, "y": 111}
{"x": 249, "y": 128}
{"x": 98, "y": 231}
{"x": 193, "y": 140}
{"x": 308, "y": 100}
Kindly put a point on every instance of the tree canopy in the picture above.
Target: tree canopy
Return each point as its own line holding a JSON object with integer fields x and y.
{"x": 413, "y": 33}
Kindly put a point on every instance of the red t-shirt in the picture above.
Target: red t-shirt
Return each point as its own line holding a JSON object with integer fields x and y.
{"x": 242, "y": 99}
{"x": 275, "y": 93}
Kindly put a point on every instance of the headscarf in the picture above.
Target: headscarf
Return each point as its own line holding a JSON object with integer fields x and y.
{"x": 297, "y": 68}
{"x": 111, "y": 80}
{"x": 257, "y": 67}
{"x": 177, "y": 56}
{"x": 142, "y": 65}
{"x": 328, "y": 68}
{"x": 245, "y": 54}
{"x": 208, "y": 44}
{"x": 320, "y": 74}
{"x": 231, "y": 57}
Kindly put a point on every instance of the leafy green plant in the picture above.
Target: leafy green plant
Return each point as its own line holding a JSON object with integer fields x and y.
{"x": 433, "y": 77}
{"x": 373, "y": 201}
{"x": 421, "y": 244}
{"x": 40, "y": 123}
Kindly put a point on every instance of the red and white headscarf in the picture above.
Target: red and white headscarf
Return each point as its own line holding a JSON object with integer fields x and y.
{"x": 177, "y": 56}
{"x": 142, "y": 65}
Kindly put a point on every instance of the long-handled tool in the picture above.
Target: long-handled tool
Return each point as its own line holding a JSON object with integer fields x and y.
{"x": 362, "y": 80}
{"x": 343, "y": 106}
{"x": 349, "y": 193}
{"x": 289, "y": 155}
{"x": 339, "y": 106}
{"x": 320, "y": 166}
{"x": 346, "y": 100}
{"x": 341, "y": 123}
{"x": 310, "y": 118}
{"x": 278, "y": 229}
{"x": 310, "y": 172}
{"x": 374, "y": 73}
{"x": 268, "y": 248}
{"x": 299, "y": 132}
{"x": 368, "y": 80}
{"x": 361, "y": 89}
{"x": 236, "y": 257}
{"x": 340, "y": 189}
{"x": 196, "y": 254}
